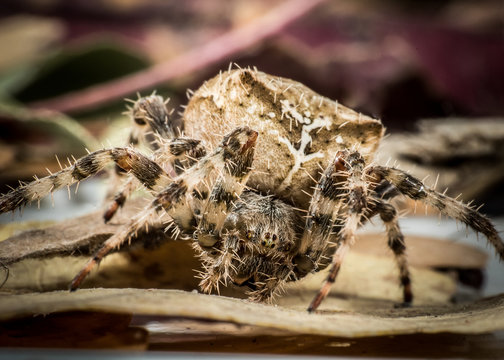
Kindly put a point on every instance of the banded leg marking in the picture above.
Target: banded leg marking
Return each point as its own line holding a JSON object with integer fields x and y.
{"x": 225, "y": 192}
{"x": 145, "y": 170}
{"x": 388, "y": 215}
{"x": 415, "y": 189}
{"x": 173, "y": 199}
{"x": 182, "y": 153}
{"x": 349, "y": 209}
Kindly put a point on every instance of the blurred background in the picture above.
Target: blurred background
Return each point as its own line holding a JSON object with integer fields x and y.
{"x": 400, "y": 61}
{"x": 66, "y": 67}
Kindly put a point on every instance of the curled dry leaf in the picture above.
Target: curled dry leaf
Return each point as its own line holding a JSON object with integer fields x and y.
{"x": 363, "y": 297}
{"x": 483, "y": 316}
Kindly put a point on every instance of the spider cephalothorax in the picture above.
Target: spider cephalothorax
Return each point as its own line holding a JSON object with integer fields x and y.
{"x": 270, "y": 182}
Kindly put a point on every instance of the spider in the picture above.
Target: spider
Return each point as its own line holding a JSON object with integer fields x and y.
{"x": 271, "y": 185}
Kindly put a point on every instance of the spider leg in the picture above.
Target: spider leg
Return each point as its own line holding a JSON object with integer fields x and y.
{"x": 149, "y": 116}
{"x": 126, "y": 233}
{"x": 225, "y": 192}
{"x": 178, "y": 154}
{"x": 173, "y": 199}
{"x": 268, "y": 285}
{"x": 337, "y": 260}
{"x": 120, "y": 198}
{"x": 182, "y": 153}
{"x": 415, "y": 189}
{"x": 388, "y": 215}
{"x": 322, "y": 223}
{"x": 341, "y": 196}
{"x": 223, "y": 196}
{"x": 145, "y": 170}
{"x": 223, "y": 267}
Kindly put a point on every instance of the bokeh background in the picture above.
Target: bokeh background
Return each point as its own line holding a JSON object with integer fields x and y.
{"x": 67, "y": 66}
{"x": 400, "y": 61}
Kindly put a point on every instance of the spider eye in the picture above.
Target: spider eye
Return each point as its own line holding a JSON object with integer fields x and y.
{"x": 249, "y": 234}
{"x": 139, "y": 120}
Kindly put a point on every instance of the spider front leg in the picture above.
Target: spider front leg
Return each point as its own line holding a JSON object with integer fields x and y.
{"x": 150, "y": 116}
{"x": 178, "y": 154}
{"x": 388, "y": 215}
{"x": 415, "y": 189}
{"x": 218, "y": 262}
{"x": 174, "y": 200}
{"x": 150, "y": 174}
{"x": 338, "y": 204}
{"x": 218, "y": 256}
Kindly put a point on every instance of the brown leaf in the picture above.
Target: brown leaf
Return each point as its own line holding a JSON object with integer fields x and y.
{"x": 380, "y": 319}
{"x": 363, "y": 297}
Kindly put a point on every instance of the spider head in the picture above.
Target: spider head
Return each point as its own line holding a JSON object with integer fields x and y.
{"x": 266, "y": 225}
{"x": 268, "y": 239}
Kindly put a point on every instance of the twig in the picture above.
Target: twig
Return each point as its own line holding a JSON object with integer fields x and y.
{"x": 230, "y": 43}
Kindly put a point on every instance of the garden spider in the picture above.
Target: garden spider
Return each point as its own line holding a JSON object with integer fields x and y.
{"x": 288, "y": 181}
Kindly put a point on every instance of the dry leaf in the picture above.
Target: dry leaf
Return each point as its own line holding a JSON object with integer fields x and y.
{"x": 377, "y": 320}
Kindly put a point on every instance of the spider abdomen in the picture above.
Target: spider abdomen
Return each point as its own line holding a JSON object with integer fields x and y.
{"x": 300, "y": 131}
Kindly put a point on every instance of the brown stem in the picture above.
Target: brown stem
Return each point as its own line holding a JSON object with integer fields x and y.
{"x": 214, "y": 51}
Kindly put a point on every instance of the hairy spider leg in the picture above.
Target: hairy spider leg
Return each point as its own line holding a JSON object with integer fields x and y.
{"x": 127, "y": 188}
{"x": 388, "y": 215}
{"x": 349, "y": 209}
{"x": 179, "y": 153}
{"x": 225, "y": 192}
{"x": 173, "y": 200}
{"x": 183, "y": 153}
{"x": 320, "y": 236}
{"x": 148, "y": 114}
{"x": 269, "y": 282}
{"x": 145, "y": 170}
{"x": 415, "y": 189}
